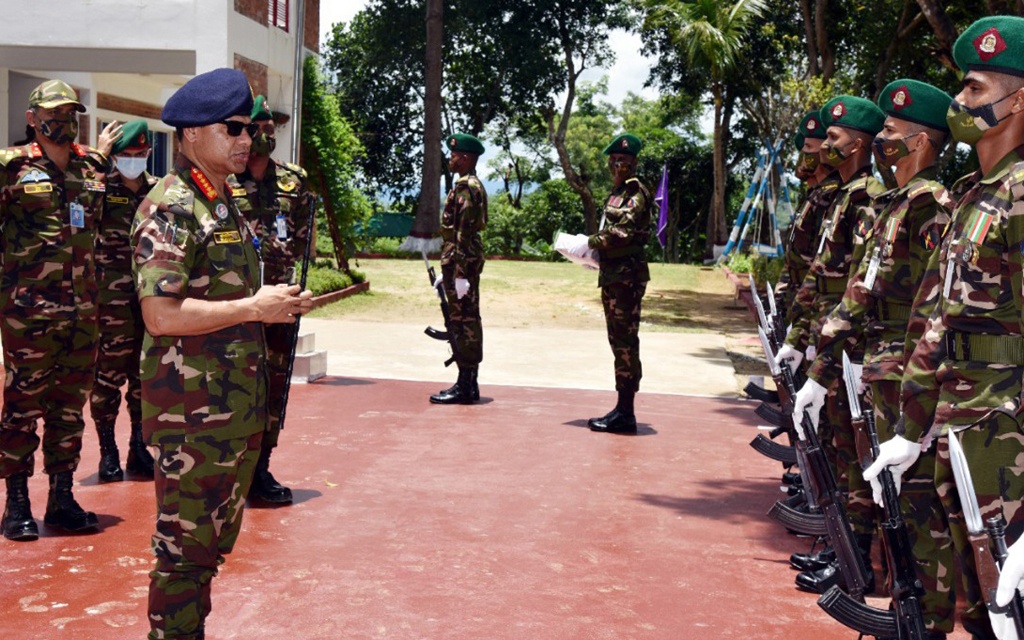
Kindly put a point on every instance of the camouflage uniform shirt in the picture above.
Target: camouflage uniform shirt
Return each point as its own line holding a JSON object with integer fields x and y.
{"x": 624, "y": 232}
{"x": 277, "y": 208}
{"x": 464, "y": 217}
{"x": 49, "y": 226}
{"x": 803, "y": 236}
{"x": 113, "y": 241}
{"x": 190, "y": 243}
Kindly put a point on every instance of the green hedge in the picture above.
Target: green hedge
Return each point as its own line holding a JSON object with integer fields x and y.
{"x": 324, "y": 277}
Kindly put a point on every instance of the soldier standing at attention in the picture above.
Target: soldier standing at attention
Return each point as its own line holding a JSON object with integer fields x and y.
{"x": 625, "y": 229}
{"x": 885, "y": 307}
{"x": 822, "y": 182}
{"x": 51, "y": 192}
{"x": 963, "y": 379}
{"x": 462, "y": 261}
{"x": 120, "y": 332}
{"x": 273, "y": 197}
{"x": 204, "y": 385}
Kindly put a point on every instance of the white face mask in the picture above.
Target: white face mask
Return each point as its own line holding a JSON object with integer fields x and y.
{"x": 129, "y": 167}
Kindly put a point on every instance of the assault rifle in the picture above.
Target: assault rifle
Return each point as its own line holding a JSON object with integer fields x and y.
{"x": 987, "y": 541}
{"x": 776, "y": 417}
{"x": 447, "y": 335}
{"x": 820, "y": 482}
{"x": 905, "y": 620}
{"x": 310, "y": 228}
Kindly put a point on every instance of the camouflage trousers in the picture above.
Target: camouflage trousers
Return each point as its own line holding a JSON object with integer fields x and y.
{"x": 850, "y": 476}
{"x": 621, "y": 302}
{"x": 117, "y": 362}
{"x": 923, "y": 514}
{"x": 465, "y": 315}
{"x": 279, "y": 346}
{"x": 48, "y": 365}
{"x": 201, "y": 484}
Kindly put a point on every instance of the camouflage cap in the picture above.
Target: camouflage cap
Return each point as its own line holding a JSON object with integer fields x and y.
{"x": 994, "y": 43}
{"x": 261, "y": 110}
{"x": 134, "y": 135}
{"x": 809, "y": 127}
{"x": 465, "y": 143}
{"x": 851, "y": 112}
{"x": 917, "y": 102}
{"x": 54, "y": 93}
{"x": 625, "y": 143}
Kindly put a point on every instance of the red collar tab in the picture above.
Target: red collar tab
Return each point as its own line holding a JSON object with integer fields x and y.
{"x": 204, "y": 184}
{"x": 36, "y": 150}
{"x": 78, "y": 149}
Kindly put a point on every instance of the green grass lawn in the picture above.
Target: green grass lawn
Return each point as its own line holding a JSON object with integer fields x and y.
{"x": 547, "y": 294}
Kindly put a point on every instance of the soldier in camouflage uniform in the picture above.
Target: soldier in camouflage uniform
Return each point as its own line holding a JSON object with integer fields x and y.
{"x": 51, "y": 192}
{"x": 625, "y": 229}
{"x": 821, "y": 179}
{"x": 964, "y": 377}
{"x": 852, "y": 124}
{"x": 274, "y": 198}
{"x": 204, "y": 385}
{"x": 880, "y": 300}
{"x": 120, "y": 317}
{"x": 462, "y": 261}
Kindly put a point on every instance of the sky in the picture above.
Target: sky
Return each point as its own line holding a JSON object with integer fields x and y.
{"x": 629, "y": 72}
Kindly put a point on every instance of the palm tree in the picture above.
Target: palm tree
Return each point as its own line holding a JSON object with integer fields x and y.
{"x": 710, "y": 37}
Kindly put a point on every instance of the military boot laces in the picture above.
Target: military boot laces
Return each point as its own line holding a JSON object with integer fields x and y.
{"x": 110, "y": 458}
{"x": 460, "y": 393}
{"x": 18, "y": 523}
{"x": 62, "y": 510}
{"x": 140, "y": 460}
{"x": 265, "y": 486}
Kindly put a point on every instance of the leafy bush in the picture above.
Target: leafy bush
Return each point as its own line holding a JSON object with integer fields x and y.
{"x": 766, "y": 269}
{"x": 324, "y": 277}
{"x": 739, "y": 263}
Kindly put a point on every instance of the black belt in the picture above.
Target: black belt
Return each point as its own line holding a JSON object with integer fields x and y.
{"x": 622, "y": 252}
{"x": 829, "y": 285}
{"x": 984, "y": 347}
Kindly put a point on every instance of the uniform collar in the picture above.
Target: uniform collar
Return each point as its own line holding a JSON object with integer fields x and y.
{"x": 186, "y": 168}
{"x": 1002, "y": 167}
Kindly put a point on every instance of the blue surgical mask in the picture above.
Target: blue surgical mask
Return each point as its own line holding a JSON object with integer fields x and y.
{"x": 130, "y": 167}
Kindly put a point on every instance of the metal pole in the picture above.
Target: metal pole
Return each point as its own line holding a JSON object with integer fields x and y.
{"x": 300, "y": 36}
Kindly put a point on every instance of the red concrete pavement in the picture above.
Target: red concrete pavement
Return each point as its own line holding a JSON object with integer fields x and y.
{"x": 506, "y": 520}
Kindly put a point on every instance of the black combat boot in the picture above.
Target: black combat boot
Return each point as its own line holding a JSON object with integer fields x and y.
{"x": 62, "y": 511}
{"x": 474, "y": 388}
{"x": 620, "y": 420}
{"x": 812, "y": 561}
{"x": 110, "y": 457}
{"x": 18, "y": 523}
{"x": 140, "y": 460}
{"x": 264, "y": 486}
{"x": 459, "y": 393}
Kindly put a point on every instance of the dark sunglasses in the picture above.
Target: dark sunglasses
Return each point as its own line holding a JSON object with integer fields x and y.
{"x": 235, "y": 128}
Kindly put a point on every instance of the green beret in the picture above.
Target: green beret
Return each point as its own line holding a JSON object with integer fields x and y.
{"x": 54, "y": 93}
{"x": 466, "y": 143}
{"x": 261, "y": 110}
{"x": 917, "y": 102}
{"x": 810, "y": 127}
{"x": 851, "y": 112}
{"x": 995, "y": 43}
{"x": 625, "y": 143}
{"x": 134, "y": 135}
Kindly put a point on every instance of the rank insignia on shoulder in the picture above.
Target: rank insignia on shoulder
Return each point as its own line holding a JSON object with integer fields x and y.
{"x": 227, "y": 237}
{"x": 34, "y": 175}
{"x": 238, "y": 192}
{"x": 39, "y": 187}
{"x": 285, "y": 185}
{"x": 117, "y": 199}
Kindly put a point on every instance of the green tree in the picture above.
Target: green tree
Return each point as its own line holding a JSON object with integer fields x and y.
{"x": 710, "y": 35}
{"x": 329, "y": 152}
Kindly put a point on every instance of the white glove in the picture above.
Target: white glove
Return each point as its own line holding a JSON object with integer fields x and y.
{"x": 812, "y": 398}
{"x": 787, "y": 352}
{"x": 438, "y": 280}
{"x": 899, "y": 454}
{"x": 811, "y": 352}
{"x": 461, "y": 287}
{"x": 1003, "y": 625}
{"x": 1011, "y": 575}
{"x": 858, "y": 376}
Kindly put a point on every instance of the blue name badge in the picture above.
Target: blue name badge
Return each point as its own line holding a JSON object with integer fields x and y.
{"x": 282, "y": 227}
{"x": 77, "y": 215}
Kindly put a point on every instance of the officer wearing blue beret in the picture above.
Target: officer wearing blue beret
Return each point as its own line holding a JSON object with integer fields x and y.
{"x": 203, "y": 366}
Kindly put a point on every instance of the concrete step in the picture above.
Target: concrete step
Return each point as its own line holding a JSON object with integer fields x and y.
{"x": 309, "y": 366}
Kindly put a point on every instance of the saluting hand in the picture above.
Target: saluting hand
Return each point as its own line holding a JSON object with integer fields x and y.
{"x": 282, "y": 303}
{"x": 110, "y": 134}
